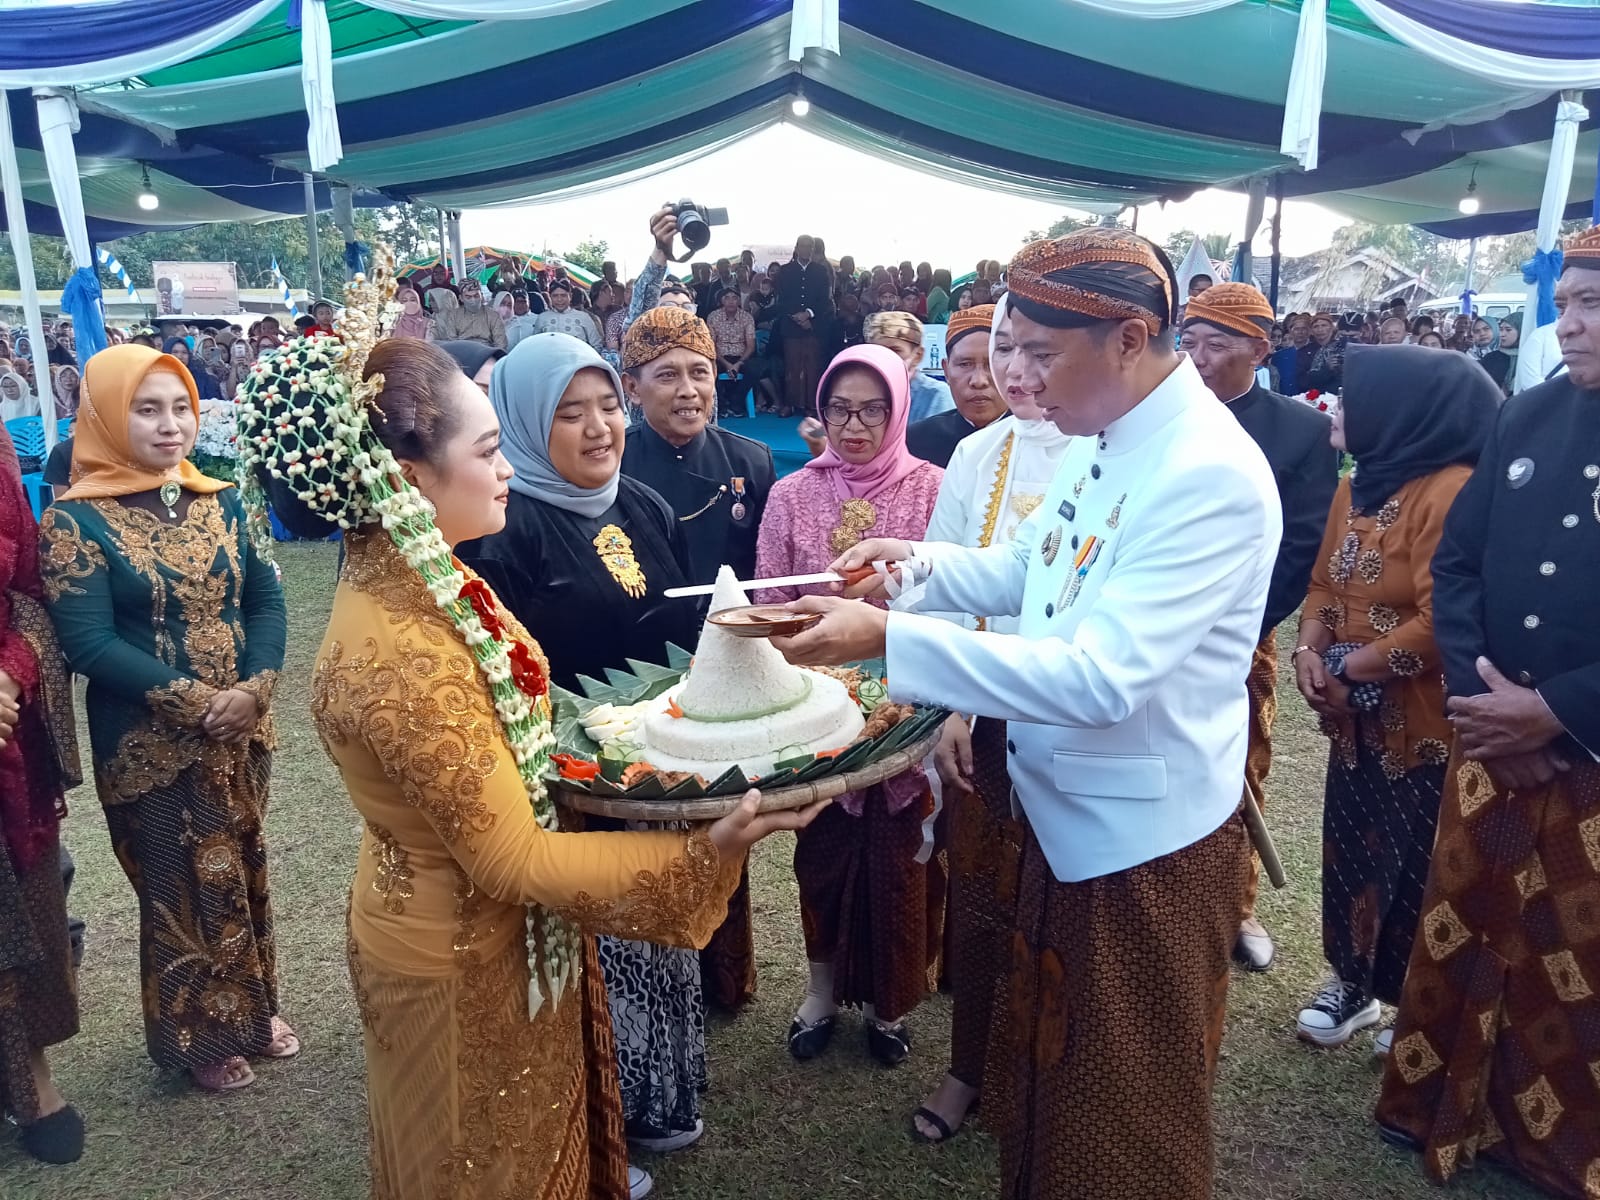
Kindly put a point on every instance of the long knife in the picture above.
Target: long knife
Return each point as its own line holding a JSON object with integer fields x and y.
{"x": 705, "y": 589}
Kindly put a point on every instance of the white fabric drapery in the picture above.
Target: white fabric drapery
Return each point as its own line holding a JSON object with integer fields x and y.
{"x": 814, "y": 24}
{"x": 1302, "y": 107}
{"x": 323, "y": 144}
{"x": 1497, "y": 66}
{"x": 58, "y": 121}
{"x": 1557, "y": 181}
{"x": 22, "y": 251}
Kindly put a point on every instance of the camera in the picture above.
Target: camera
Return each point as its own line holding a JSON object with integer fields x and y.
{"x": 694, "y": 223}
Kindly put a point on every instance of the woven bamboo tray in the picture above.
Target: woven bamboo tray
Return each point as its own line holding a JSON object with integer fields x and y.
{"x": 711, "y": 808}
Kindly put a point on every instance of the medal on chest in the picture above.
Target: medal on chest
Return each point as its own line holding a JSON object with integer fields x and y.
{"x": 1081, "y": 563}
{"x": 739, "y": 510}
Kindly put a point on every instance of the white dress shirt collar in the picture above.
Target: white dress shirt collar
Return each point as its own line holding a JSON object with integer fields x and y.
{"x": 1171, "y": 396}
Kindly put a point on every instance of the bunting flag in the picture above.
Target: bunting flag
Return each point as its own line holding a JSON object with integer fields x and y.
{"x": 109, "y": 261}
{"x": 288, "y": 296}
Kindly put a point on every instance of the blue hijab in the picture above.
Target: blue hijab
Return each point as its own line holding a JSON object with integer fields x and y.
{"x": 526, "y": 390}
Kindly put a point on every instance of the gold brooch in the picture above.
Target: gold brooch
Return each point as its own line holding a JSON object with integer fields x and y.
{"x": 616, "y": 552}
{"x": 855, "y": 518}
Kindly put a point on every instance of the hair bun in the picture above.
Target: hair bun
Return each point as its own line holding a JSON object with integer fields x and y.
{"x": 294, "y": 413}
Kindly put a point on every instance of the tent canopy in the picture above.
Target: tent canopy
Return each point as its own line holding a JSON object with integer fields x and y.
{"x": 1086, "y": 103}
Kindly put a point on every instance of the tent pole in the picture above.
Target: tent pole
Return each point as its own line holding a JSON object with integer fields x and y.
{"x": 1472, "y": 261}
{"x": 444, "y": 242}
{"x": 1277, "y": 229}
{"x": 311, "y": 238}
{"x": 1558, "y": 178}
{"x": 22, "y": 252}
{"x": 458, "y": 260}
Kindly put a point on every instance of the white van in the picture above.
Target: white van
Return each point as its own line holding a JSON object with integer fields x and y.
{"x": 1493, "y": 305}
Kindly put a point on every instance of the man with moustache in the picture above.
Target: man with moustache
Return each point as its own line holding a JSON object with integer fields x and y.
{"x": 978, "y": 403}
{"x": 1139, "y": 584}
{"x": 717, "y": 484}
{"x": 1226, "y": 332}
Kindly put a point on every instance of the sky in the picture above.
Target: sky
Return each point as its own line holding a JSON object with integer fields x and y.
{"x": 875, "y": 210}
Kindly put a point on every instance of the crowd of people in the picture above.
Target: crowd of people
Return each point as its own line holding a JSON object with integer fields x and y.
{"x": 1099, "y": 529}
{"x": 1308, "y": 349}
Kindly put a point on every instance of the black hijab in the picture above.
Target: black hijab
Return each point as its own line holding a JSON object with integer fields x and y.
{"x": 471, "y": 355}
{"x": 1410, "y": 411}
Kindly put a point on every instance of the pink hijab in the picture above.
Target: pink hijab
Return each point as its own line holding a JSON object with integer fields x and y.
{"x": 893, "y": 462}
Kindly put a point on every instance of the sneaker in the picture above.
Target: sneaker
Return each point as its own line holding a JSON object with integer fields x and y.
{"x": 1334, "y": 1016}
{"x": 1253, "y": 950}
{"x": 639, "y": 1183}
{"x": 672, "y": 1141}
{"x": 1383, "y": 1043}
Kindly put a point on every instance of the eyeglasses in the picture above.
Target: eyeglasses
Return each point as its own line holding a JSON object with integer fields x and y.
{"x": 871, "y": 415}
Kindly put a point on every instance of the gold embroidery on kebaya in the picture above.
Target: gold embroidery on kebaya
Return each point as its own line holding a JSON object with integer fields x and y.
{"x": 67, "y": 555}
{"x": 358, "y": 984}
{"x": 424, "y": 717}
{"x": 183, "y": 702}
{"x": 668, "y": 908}
{"x": 505, "y": 1061}
{"x": 393, "y": 880}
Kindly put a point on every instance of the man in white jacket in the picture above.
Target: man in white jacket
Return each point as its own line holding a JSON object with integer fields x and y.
{"x": 1139, "y": 584}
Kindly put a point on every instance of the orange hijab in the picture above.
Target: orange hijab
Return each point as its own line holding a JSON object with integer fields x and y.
{"x": 103, "y": 464}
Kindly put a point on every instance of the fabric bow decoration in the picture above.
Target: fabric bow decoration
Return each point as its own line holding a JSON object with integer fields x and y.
{"x": 1543, "y": 269}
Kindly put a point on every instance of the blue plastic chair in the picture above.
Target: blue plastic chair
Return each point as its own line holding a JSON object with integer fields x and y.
{"x": 27, "y": 435}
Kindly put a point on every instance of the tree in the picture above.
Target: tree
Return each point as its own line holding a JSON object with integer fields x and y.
{"x": 1217, "y": 245}
{"x": 1069, "y": 223}
{"x": 51, "y": 262}
{"x": 589, "y": 254}
{"x": 406, "y": 227}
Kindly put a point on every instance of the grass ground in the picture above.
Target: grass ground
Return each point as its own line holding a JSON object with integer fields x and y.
{"x": 1292, "y": 1123}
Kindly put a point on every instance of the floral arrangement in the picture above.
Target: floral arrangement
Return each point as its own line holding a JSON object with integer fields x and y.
{"x": 215, "y": 452}
{"x": 304, "y": 421}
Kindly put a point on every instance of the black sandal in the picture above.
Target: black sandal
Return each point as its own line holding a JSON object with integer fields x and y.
{"x": 889, "y": 1044}
{"x": 808, "y": 1041}
{"x": 934, "y": 1119}
{"x": 56, "y": 1139}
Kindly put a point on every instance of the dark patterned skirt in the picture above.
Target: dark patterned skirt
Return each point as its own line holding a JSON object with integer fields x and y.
{"x": 1110, "y": 1022}
{"x": 1498, "y": 1038}
{"x": 864, "y": 903}
{"x": 38, "y": 990}
{"x": 728, "y": 963}
{"x": 985, "y": 844}
{"x": 1377, "y": 837}
{"x": 658, "y": 1017}
{"x": 196, "y": 854}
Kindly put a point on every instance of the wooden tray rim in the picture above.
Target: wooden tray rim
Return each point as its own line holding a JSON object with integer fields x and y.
{"x": 711, "y": 808}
